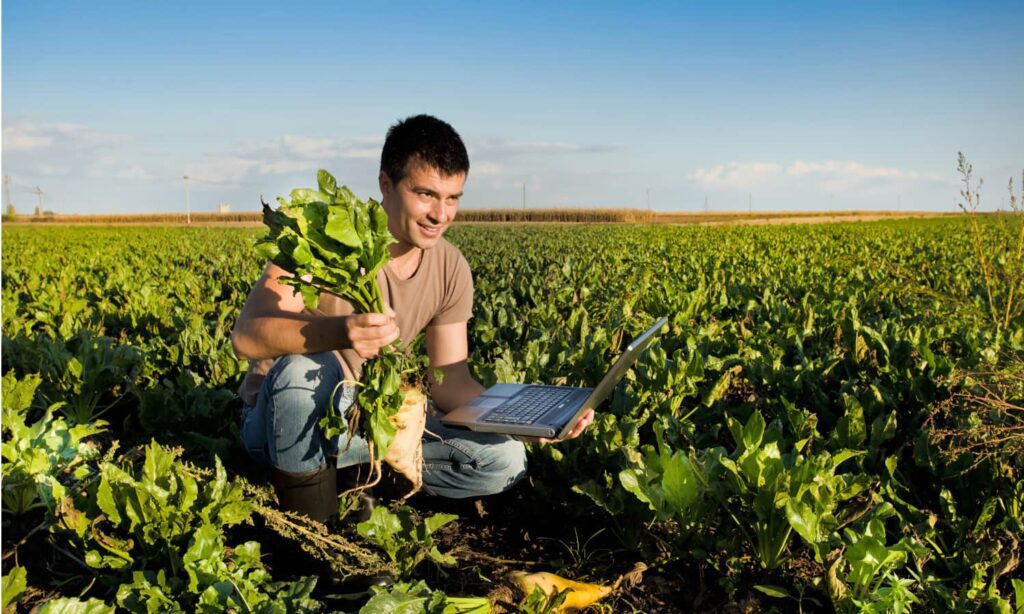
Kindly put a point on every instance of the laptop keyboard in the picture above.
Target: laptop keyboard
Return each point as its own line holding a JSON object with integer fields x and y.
{"x": 529, "y": 405}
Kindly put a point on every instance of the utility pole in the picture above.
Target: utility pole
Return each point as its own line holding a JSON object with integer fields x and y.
{"x": 524, "y": 196}
{"x": 899, "y": 198}
{"x": 7, "y": 193}
{"x": 705, "y": 203}
{"x": 39, "y": 207}
{"x": 750, "y": 202}
{"x": 188, "y": 207}
{"x": 648, "y": 199}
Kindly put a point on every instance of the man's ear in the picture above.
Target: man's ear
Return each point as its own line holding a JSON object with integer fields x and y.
{"x": 384, "y": 182}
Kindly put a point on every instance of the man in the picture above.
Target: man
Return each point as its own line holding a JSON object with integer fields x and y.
{"x": 298, "y": 357}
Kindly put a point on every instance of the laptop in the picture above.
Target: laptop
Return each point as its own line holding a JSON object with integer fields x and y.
{"x": 544, "y": 411}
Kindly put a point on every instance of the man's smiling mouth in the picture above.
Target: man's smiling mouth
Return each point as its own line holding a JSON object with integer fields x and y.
{"x": 430, "y": 228}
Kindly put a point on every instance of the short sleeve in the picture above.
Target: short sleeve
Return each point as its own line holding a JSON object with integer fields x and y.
{"x": 457, "y": 301}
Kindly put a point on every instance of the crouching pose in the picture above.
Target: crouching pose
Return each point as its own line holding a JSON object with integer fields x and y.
{"x": 298, "y": 357}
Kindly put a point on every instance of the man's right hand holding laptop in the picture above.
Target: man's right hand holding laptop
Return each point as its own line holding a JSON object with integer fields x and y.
{"x": 574, "y": 432}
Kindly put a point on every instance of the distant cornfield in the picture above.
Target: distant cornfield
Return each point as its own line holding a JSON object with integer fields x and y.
{"x": 561, "y": 215}
{"x": 251, "y": 217}
{"x": 556, "y": 215}
{"x": 465, "y": 215}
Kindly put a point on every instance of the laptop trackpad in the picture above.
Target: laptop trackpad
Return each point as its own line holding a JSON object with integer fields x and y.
{"x": 488, "y": 402}
{"x": 503, "y": 390}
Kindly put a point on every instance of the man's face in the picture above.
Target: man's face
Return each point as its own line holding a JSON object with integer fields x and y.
{"x": 421, "y": 206}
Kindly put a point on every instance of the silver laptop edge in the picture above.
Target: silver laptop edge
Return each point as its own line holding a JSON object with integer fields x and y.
{"x": 617, "y": 372}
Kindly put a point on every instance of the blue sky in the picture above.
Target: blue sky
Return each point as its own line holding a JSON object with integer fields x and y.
{"x": 793, "y": 105}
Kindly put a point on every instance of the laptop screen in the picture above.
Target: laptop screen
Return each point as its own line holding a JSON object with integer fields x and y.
{"x": 625, "y": 361}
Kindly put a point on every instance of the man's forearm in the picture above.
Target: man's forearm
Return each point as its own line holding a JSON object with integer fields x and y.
{"x": 259, "y": 337}
{"x": 455, "y": 390}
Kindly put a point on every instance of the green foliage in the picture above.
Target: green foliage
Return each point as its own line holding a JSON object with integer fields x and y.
{"x": 418, "y": 598}
{"x": 148, "y": 514}
{"x": 540, "y": 602}
{"x": 800, "y": 393}
{"x": 180, "y": 402}
{"x": 870, "y": 567}
{"x": 81, "y": 371}
{"x": 667, "y": 482}
{"x": 157, "y": 534}
{"x": 405, "y": 537}
{"x": 330, "y": 241}
{"x": 998, "y": 248}
{"x": 71, "y": 605}
{"x": 1006, "y": 606}
{"x": 786, "y": 492}
{"x": 38, "y": 455}
{"x": 13, "y": 586}
{"x": 334, "y": 240}
{"x": 18, "y": 396}
{"x": 116, "y": 312}
{"x": 216, "y": 581}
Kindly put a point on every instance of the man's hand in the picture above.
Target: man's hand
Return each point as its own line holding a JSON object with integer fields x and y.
{"x": 577, "y": 429}
{"x": 368, "y": 332}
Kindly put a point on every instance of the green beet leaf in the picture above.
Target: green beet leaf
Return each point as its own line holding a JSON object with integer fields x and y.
{"x": 340, "y": 227}
{"x": 326, "y": 182}
{"x": 14, "y": 584}
{"x": 71, "y": 605}
{"x": 333, "y": 243}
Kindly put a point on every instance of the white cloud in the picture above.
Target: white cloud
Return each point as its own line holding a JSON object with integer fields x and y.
{"x": 503, "y": 148}
{"x": 487, "y": 169}
{"x": 26, "y": 136}
{"x": 16, "y": 139}
{"x": 283, "y": 155}
{"x": 62, "y": 149}
{"x": 306, "y": 147}
{"x": 299, "y": 147}
{"x": 828, "y": 175}
{"x": 739, "y": 175}
{"x": 301, "y": 154}
{"x": 221, "y": 169}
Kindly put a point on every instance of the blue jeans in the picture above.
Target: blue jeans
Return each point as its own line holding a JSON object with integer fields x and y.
{"x": 282, "y": 431}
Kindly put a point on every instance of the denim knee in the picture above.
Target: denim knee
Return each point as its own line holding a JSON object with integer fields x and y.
{"x": 459, "y": 464}
{"x": 303, "y": 372}
{"x": 507, "y": 464}
{"x": 294, "y": 396}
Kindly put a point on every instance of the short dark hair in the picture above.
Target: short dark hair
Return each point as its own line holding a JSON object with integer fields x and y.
{"x": 427, "y": 139}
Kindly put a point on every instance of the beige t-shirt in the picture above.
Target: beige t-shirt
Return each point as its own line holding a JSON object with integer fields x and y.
{"x": 439, "y": 292}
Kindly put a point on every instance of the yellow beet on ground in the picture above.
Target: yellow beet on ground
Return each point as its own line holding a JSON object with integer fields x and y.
{"x": 580, "y": 594}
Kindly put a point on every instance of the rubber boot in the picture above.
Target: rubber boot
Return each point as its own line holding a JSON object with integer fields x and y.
{"x": 312, "y": 493}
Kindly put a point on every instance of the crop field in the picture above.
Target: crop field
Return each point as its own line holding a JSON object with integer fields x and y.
{"x": 501, "y": 216}
{"x": 832, "y": 421}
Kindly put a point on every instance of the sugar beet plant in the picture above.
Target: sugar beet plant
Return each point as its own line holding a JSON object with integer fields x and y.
{"x": 781, "y": 423}
{"x": 332, "y": 242}
{"x": 827, "y": 423}
{"x": 156, "y": 536}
